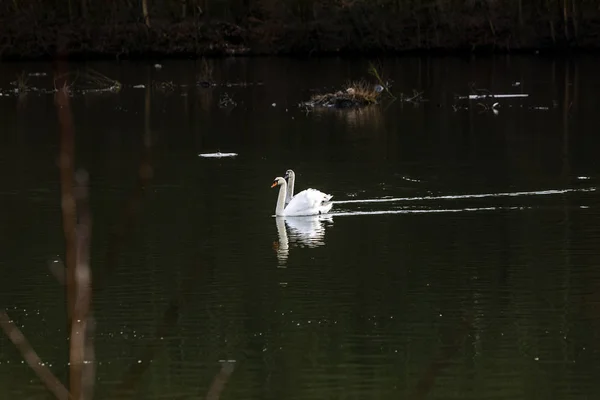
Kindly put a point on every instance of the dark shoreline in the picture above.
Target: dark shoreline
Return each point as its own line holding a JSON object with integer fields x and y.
{"x": 324, "y": 29}
{"x": 489, "y": 50}
{"x": 156, "y": 56}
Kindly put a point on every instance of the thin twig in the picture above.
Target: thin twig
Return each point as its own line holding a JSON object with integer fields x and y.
{"x": 43, "y": 372}
{"x": 417, "y": 96}
{"x": 373, "y": 71}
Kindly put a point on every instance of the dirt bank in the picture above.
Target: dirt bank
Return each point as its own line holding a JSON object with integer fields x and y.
{"x": 176, "y": 28}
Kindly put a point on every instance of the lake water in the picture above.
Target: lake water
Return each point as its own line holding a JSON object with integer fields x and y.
{"x": 461, "y": 259}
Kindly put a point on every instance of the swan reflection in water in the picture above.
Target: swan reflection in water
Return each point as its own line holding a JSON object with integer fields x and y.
{"x": 306, "y": 231}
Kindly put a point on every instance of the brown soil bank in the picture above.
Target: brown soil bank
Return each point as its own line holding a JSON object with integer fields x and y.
{"x": 31, "y": 29}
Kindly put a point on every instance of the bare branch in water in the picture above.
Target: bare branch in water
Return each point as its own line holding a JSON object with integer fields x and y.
{"x": 218, "y": 384}
{"x": 43, "y": 372}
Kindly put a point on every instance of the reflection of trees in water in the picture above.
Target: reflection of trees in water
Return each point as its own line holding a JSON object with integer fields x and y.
{"x": 205, "y": 98}
{"x": 369, "y": 116}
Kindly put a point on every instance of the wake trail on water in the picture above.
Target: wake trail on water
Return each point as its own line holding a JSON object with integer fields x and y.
{"x": 446, "y": 210}
{"x": 464, "y": 196}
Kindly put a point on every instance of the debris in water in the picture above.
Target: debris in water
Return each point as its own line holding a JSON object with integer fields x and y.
{"x": 226, "y": 101}
{"x": 492, "y": 96}
{"x": 157, "y": 66}
{"x": 357, "y": 94}
{"x": 416, "y": 98}
{"x": 139, "y": 87}
{"x": 217, "y": 155}
{"x": 166, "y": 87}
{"x": 583, "y": 177}
{"x": 93, "y": 81}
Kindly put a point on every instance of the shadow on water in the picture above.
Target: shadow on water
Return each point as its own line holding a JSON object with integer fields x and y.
{"x": 469, "y": 269}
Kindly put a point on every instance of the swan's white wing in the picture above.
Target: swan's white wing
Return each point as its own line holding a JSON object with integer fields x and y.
{"x": 309, "y": 202}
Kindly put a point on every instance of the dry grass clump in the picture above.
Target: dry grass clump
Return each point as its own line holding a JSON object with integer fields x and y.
{"x": 356, "y": 94}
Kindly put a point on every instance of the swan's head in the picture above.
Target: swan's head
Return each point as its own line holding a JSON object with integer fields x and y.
{"x": 278, "y": 181}
{"x": 289, "y": 173}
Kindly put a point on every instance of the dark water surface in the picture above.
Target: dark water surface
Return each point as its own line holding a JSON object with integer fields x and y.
{"x": 478, "y": 277}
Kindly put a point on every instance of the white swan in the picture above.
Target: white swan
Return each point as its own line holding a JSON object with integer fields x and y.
{"x": 307, "y": 202}
{"x": 290, "y": 176}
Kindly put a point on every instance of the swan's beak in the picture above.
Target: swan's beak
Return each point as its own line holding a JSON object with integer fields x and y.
{"x": 274, "y": 184}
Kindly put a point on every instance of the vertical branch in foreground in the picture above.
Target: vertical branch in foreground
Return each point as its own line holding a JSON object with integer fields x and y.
{"x": 145, "y": 13}
{"x": 565, "y": 15}
{"x": 77, "y": 247}
{"x": 551, "y": 21}
{"x": 183, "y": 9}
{"x": 574, "y": 17}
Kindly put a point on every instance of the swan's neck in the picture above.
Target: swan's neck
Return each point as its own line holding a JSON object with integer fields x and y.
{"x": 281, "y": 199}
{"x": 290, "y": 188}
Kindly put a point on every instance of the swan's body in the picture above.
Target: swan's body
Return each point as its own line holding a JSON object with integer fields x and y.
{"x": 290, "y": 176}
{"x": 307, "y": 202}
